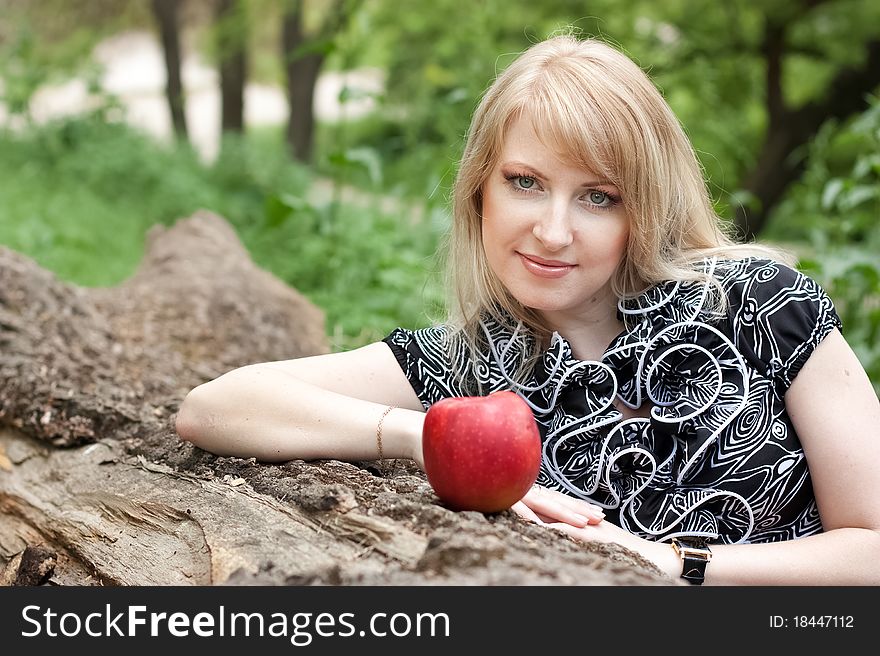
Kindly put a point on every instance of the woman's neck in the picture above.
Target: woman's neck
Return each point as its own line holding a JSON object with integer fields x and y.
{"x": 589, "y": 333}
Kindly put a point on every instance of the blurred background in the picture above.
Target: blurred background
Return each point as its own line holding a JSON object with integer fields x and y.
{"x": 327, "y": 132}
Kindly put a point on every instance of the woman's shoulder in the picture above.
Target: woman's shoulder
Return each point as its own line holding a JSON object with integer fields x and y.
{"x": 761, "y": 284}
{"x": 756, "y": 271}
{"x": 777, "y": 314}
{"x": 695, "y": 295}
{"x": 774, "y": 314}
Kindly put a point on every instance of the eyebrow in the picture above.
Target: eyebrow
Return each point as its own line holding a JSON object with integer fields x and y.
{"x": 538, "y": 174}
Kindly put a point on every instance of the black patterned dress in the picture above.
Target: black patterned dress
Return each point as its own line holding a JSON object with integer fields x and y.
{"x": 718, "y": 456}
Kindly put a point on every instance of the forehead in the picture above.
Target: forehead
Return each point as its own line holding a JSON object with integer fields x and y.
{"x": 523, "y": 143}
{"x": 544, "y": 143}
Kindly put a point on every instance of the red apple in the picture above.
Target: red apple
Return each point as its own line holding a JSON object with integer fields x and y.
{"x": 481, "y": 452}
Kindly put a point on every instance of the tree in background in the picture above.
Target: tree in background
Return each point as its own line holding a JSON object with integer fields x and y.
{"x": 166, "y": 15}
{"x": 790, "y": 128}
{"x": 231, "y": 30}
{"x": 303, "y": 53}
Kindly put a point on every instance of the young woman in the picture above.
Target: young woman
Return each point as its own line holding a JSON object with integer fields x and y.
{"x": 697, "y": 392}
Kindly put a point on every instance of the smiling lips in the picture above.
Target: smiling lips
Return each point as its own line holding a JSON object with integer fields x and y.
{"x": 545, "y": 268}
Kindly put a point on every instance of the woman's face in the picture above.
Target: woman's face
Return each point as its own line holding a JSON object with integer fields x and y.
{"x": 553, "y": 233}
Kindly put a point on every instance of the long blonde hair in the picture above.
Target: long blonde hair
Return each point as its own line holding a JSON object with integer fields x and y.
{"x": 599, "y": 110}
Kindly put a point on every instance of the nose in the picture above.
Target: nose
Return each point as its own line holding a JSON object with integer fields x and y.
{"x": 553, "y": 229}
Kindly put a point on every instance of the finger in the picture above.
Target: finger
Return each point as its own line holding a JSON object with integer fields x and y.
{"x": 591, "y": 514}
{"x": 580, "y": 506}
{"x": 557, "y": 513}
{"x": 563, "y": 514}
{"x": 525, "y": 512}
{"x": 551, "y": 507}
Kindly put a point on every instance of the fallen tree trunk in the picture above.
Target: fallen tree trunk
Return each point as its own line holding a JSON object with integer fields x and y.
{"x": 97, "y": 489}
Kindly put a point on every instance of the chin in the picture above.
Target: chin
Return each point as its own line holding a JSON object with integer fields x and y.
{"x": 541, "y": 302}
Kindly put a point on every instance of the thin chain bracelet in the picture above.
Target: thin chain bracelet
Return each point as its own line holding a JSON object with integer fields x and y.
{"x": 379, "y": 430}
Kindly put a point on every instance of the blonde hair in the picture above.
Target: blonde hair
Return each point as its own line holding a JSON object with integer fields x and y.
{"x": 598, "y": 110}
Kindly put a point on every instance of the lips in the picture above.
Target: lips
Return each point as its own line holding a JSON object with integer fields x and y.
{"x": 542, "y": 268}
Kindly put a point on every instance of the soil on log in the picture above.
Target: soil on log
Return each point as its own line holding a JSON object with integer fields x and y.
{"x": 96, "y": 488}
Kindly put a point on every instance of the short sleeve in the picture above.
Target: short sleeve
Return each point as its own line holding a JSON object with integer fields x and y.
{"x": 778, "y": 316}
{"x": 425, "y": 358}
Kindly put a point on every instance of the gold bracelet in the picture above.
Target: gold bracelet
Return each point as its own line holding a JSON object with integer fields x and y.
{"x": 379, "y": 430}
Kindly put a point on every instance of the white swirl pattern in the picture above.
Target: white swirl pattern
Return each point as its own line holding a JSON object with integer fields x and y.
{"x": 718, "y": 456}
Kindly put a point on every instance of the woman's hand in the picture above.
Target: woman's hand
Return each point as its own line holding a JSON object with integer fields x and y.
{"x": 606, "y": 532}
{"x": 544, "y": 506}
{"x": 582, "y": 520}
{"x": 659, "y": 553}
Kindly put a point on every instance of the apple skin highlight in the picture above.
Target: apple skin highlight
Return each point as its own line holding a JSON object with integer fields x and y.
{"x": 481, "y": 452}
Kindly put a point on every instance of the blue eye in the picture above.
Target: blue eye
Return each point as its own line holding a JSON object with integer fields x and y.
{"x": 599, "y": 198}
{"x": 525, "y": 181}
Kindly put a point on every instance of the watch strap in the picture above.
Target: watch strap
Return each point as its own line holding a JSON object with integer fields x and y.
{"x": 695, "y": 555}
{"x": 693, "y": 569}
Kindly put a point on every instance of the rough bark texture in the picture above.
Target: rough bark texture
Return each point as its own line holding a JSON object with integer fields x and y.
{"x": 96, "y": 488}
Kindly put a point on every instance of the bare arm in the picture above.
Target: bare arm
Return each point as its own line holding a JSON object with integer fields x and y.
{"x": 837, "y": 416}
{"x": 325, "y": 406}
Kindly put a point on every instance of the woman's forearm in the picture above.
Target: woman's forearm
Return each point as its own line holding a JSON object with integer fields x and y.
{"x": 270, "y": 415}
{"x": 844, "y": 556}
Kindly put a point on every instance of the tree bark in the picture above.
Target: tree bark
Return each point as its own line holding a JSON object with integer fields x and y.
{"x": 166, "y": 15}
{"x": 96, "y": 488}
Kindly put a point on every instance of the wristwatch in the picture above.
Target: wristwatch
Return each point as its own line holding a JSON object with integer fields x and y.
{"x": 695, "y": 554}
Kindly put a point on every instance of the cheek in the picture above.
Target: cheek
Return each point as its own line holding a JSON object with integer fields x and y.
{"x": 604, "y": 243}
{"x": 490, "y": 240}
{"x": 622, "y": 241}
{"x": 617, "y": 240}
{"x": 493, "y": 206}
{"x": 498, "y": 224}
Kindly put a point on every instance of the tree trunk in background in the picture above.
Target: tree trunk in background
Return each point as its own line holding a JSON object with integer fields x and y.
{"x": 790, "y": 130}
{"x": 301, "y": 72}
{"x": 165, "y": 12}
{"x": 303, "y": 55}
{"x": 232, "y": 32}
